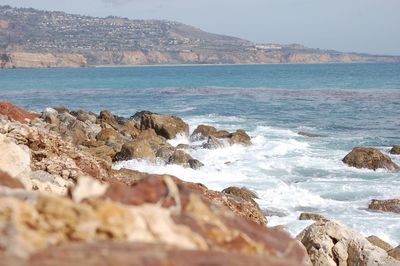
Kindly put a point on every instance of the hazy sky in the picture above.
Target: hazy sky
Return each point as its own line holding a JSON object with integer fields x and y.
{"x": 371, "y": 26}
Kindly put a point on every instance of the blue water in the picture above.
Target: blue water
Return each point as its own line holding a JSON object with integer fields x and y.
{"x": 349, "y": 104}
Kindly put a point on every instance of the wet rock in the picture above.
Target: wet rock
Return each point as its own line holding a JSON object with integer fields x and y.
{"x": 312, "y": 216}
{"x": 180, "y": 157}
{"x": 395, "y": 253}
{"x": 222, "y": 134}
{"x": 7, "y": 181}
{"x": 329, "y": 243}
{"x": 374, "y": 240}
{"x": 167, "y": 126}
{"x": 195, "y": 164}
{"x": 15, "y": 113}
{"x": 371, "y": 158}
{"x": 165, "y": 152}
{"x": 239, "y": 137}
{"x": 395, "y": 149}
{"x": 137, "y": 117}
{"x": 183, "y": 146}
{"x": 308, "y": 134}
{"x": 391, "y": 205}
{"x": 213, "y": 143}
{"x": 243, "y": 193}
{"x": 202, "y": 132}
{"x": 136, "y": 149}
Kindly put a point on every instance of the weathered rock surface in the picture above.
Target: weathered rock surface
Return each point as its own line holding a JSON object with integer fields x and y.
{"x": 167, "y": 126}
{"x": 392, "y": 205}
{"x": 395, "y": 149}
{"x": 7, "y": 181}
{"x": 242, "y": 193}
{"x": 312, "y": 216}
{"x": 213, "y": 143}
{"x": 395, "y": 253}
{"x": 371, "y": 158}
{"x": 202, "y": 132}
{"x": 239, "y": 137}
{"x": 135, "y": 150}
{"x": 15, "y": 113}
{"x": 329, "y": 243}
{"x": 374, "y": 240}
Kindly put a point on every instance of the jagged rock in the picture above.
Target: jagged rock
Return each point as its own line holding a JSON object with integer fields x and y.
{"x": 392, "y": 205}
{"x": 150, "y": 136}
{"x": 202, "y": 132}
{"x": 312, "y": 216}
{"x": 371, "y": 158}
{"x": 239, "y": 137}
{"x": 195, "y": 164}
{"x": 136, "y": 149}
{"x": 45, "y": 182}
{"x": 243, "y": 193}
{"x": 395, "y": 253}
{"x": 15, "y": 113}
{"x": 165, "y": 152}
{"x": 222, "y": 134}
{"x": 108, "y": 118}
{"x": 85, "y": 116}
{"x": 374, "y": 240}
{"x": 183, "y": 146}
{"x": 213, "y": 143}
{"x": 167, "y": 126}
{"x": 395, "y": 149}
{"x": 181, "y": 158}
{"x": 129, "y": 128}
{"x": 50, "y": 116}
{"x": 15, "y": 161}
{"x": 329, "y": 243}
{"x": 308, "y": 134}
{"x": 7, "y": 181}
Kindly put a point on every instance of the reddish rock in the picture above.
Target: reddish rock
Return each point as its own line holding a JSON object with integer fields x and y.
{"x": 16, "y": 113}
{"x": 392, "y": 205}
{"x": 7, "y": 181}
{"x": 371, "y": 158}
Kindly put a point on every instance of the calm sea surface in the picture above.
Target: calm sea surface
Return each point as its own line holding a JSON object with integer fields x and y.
{"x": 349, "y": 104}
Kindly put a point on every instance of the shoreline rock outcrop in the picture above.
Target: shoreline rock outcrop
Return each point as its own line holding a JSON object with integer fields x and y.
{"x": 370, "y": 158}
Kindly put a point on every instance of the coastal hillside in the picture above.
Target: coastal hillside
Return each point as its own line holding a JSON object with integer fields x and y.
{"x": 34, "y": 38}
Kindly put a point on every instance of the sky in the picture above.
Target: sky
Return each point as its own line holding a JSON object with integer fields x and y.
{"x": 367, "y": 26}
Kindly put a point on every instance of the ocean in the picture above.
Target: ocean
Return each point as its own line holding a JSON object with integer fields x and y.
{"x": 348, "y": 104}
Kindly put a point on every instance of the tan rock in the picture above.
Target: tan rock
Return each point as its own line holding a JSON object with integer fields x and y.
{"x": 395, "y": 253}
{"x": 202, "y": 132}
{"x": 311, "y": 216}
{"x": 391, "y": 205}
{"x": 374, "y": 240}
{"x": 371, "y": 158}
{"x": 87, "y": 187}
{"x": 239, "y": 137}
{"x": 164, "y": 125}
{"x": 135, "y": 150}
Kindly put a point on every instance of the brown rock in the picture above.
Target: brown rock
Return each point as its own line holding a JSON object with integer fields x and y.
{"x": 8, "y": 181}
{"x": 242, "y": 193}
{"x": 312, "y": 216}
{"x": 239, "y": 137}
{"x": 213, "y": 143}
{"x": 371, "y": 158}
{"x": 136, "y": 149}
{"x": 165, "y": 152}
{"x": 374, "y": 240}
{"x": 150, "y": 136}
{"x": 395, "y": 253}
{"x": 222, "y": 134}
{"x": 108, "y": 118}
{"x": 183, "y": 146}
{"x": 395, "y": 149}
{"x": 202, "y": 132}
{"x": 195, "y": 164}
{"x": 164, "y": 125}
{"x": 129, "y": 128}
{"x": 181, "y": 158}
{"x": 15, "y": 113}
{"x": 107, "y": 134}
{"x": 392, "y": 205}
{"x": 126, "y": 176}
{"x": 102, "y": 151}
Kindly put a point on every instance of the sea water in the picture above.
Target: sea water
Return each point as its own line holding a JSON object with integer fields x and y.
{"x": 347, "y": 104}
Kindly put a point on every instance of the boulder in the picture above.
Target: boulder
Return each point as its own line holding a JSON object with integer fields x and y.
{"x": 391, "y": 205}
{"x": 165, "y": 152}
{"x": 222, "y": 134}
{"x": 239, "y": 137}
{"x": 180, "y": 157}
{"x": 395, "y": 253}
{"x": 371, "y": 158}
{"x": 136, "y": 149}
{"x": 242, "y": 193}
{"x": 86, "y": 117}
{"x": 195, "y": 164}
{"x": 50, "y": 115}
{"x": 7, "y": 181}
{"x": 374, "y": 240}
{"x": 395, "y": 149}
{"x": 150, "y": 136}
{"x": 45, "y": 182}
{"x": 202, "y": 132}
{"x": 167, "y": 126}
{"x": 213, "y": 143}
{"x": 312, "y": 216}
{"x": 108, "y": 118}
{"x": 16, "y": 113}
{"x": 329, "y": 243}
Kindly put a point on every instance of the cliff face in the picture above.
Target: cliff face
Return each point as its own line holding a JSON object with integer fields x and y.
{"x": 33, "y": 38}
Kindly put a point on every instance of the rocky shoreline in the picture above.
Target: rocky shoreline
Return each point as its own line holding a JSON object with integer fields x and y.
{"x": 63, "y": 203}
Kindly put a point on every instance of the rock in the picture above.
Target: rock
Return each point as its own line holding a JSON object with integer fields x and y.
{"x": 312, "y": 216}
{"x": 222, "y": 134}
{"x": 86, "y": 188}
{"x": 395, "y": 149}
{"x": 7, "y": 181}
{"x": 45, "y": 182}
{"x": 239, "y": 137}
{"x": 137, "y": 117}
{"x": 308, "y": 134}
{"x": 15, "y": 161}
{"x": 129, "y": 128}
{"x": 202, "y": 132}
{"x": 108, "y": 135}
{"x": 108, "y": 118}
{"x": 135, "y": 150}
{"x": 50, "y": 116}
{"x": 395, "y": 253}
{"x": 76, "y": 132}
{"x": 371, "y": 158}
{"x": 213, "y": 143}
{"x": 374, "y": 240}
{"x": 392, "y": 205}
{"x": 85, "y": 116}
{"x": 102, "y": 151}
{"x": 165, "y": 152}
{"x": 126, "y": 176}
{"x": 150, "y": 136}
{"x": 183, "y": 146}
{"x": 329, "y": 243}
{"x": 15, "y": 113}
{"x": 195, "y": 164}
{"x": 167, "y": 126}
{"x": 180, "y": 157}
{"x": 243, "y": 193}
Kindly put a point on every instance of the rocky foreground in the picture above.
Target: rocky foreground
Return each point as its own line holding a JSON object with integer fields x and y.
{"x": 62, "y": 203}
